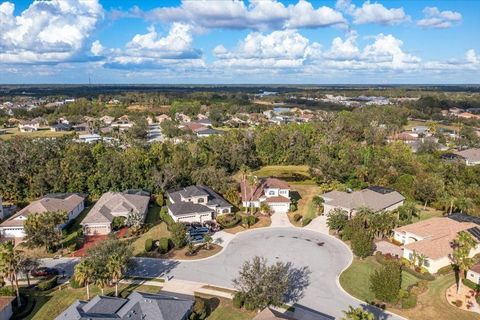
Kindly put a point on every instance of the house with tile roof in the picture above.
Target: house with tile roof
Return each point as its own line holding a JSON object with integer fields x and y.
{"x": 433, "y": 238}
{"x": 374, "y": 198}
{"x": 274, "y": 192}
{"x": 196, "y": 204}
{"x": 473, "y": 274}
{"x": 70, "y": 203}
{"x": 137, "y": 306}
{"x": 113, "y": 204}
{"x": 470, "y": 156}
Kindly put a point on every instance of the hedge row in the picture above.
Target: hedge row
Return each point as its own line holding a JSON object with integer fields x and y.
{"x": 229, "y": 220}
{"x": 472, "y": 285}
{"x": 48, "y": 284}
{"x": 423, "y": 276}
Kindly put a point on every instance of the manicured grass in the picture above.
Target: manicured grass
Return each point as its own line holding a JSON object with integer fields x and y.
{"x": 156, "y": 232}
{"x": 433, "y": 304}
{"x": 427, "y": 213}
{"x": 50, "y": 304}
{"x": 41, "y": 133}
{"x": 292, "y": 174}
{"x": 225, "y": 310}
{"x": 356, "y": 279}
{"x": 153, "y": 215}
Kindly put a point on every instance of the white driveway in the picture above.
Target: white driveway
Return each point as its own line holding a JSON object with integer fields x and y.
{"x": 280, "y": 220}
{"x": 319, "y": 224}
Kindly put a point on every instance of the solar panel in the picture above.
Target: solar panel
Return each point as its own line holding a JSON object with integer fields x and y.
{"x": 475, "y": 231}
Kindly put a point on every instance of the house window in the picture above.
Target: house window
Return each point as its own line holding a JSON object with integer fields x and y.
{"x": 225, "y": 211}
{"x": 201, "y": 200}
{"x": 283, "y": 192}
{"x": 426, "y": 263}
{"x": 271, "y": 193}
{"x": 410, "y": 256}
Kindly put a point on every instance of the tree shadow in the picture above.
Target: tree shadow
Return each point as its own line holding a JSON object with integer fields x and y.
{"x": 295, "y": 196}
{"x": 151, "y": 268}
{"x": 380, "y": 314}
{"x": 301, "y": 311}
{"x": 298, "y": 281}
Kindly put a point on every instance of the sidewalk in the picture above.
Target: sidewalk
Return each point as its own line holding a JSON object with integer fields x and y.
{"x": 319, "y": 224}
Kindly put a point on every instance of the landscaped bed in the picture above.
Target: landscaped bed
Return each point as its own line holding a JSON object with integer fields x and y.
{"x": 261, "y": 222}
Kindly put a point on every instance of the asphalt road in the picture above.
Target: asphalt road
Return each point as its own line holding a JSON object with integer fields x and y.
{"x": 316, "y": 261}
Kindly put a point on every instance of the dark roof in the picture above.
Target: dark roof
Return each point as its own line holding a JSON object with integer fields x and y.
{"x": 213, "y": 198}
{"x": 137, "y": 306}
{"x": 62, "y": 126}
{"x": 209, "y": 131}
{"x": 182, "y": 208}
{"x": 379, "y": 189}
{"x": 475, "y": 232}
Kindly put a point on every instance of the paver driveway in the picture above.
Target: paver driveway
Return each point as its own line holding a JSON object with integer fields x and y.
{"x": 325, "y": 256}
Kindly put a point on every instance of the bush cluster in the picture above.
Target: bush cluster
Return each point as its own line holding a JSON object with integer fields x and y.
{"x": 164, "y": 245}
{"x": 297, "y": 217}
{"x": 249, "y": 220}
{"x": 445, "y": 270}
{"x": 229, "y": 220}
{"x": 306, "y": 220}
{"x": 238, "y": 300}
{"x": 165, "y": 217}
{"x": 148, "y": 245}
{"x": 74, "y": 284}
{"x": 7, "y": 291}
{"x": 48, "y": 284}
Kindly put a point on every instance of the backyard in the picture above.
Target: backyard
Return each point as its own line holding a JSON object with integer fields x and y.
{"x": 41, "y": 133}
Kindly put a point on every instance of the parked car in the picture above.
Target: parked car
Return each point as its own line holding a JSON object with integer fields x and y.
{"x": 44, "y": 272}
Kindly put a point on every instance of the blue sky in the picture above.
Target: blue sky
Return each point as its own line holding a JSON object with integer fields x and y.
{"x": 256, "y": 41}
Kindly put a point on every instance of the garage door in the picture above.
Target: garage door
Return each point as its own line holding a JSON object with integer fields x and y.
{"x": 279, "y": 207}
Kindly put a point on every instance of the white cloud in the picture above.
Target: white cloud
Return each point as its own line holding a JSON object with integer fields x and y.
{"x": 386, "y": 51}
{"x": 235, "y": 14}
{"x": 434, "y": 18}
{"x": 279, "y": 49}
{"x": 47, "y": 31}
{"x": 372, "y": 13}
{"x": 471, "y": 57}
{"x": 97, "y": 49}
{"x": 153, "y": 50}
{"x": 344, "y": 49}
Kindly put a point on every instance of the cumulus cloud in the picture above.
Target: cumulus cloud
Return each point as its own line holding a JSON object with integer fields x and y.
{"x": 47, "y": 31}
{"x": 153, "y": 50}
{"x": 97, "y": 49}
{"x": 235, "y": 14}
{"x": 434, "y": 18}
{"x": 344, "y": 49}
{"x": 372, "y": 13}
{"x": 279, "y": 49}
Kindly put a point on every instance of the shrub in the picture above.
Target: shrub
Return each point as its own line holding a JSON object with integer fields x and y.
{"x": 249, "y": 220}
{"x": 48, "y": 284}
{"x": 238, "y": 300}
{"x": 458, "y": 303}
{"x": 306, "y": 220}
{"x": 159, "y": 199}
{"x": 164, "y": 245}
{"x": 249, "y": 305}
{"x": 74, "y": 284}
{"x": 7, "y": 291}
{"x": 297, "y": 217}
{"x": 362, "y": 244}
{"x": 423, "y": 276}
{"x": 293, "y": 207}
{"x": 445, "y": 270}
{"x": 200, "y": 310}
{"x": 118, "y": 223}
{"x": 148, "y": 245}
{"x": 165, "y": 217}
{"x": 409, "y": 301}
{"x": 386, "y": 282}
{"x": 472, "y": 285}
{"x": 229, "y": 220}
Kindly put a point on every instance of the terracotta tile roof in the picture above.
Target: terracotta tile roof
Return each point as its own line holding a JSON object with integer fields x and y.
{"x": 438, "y": 234}
{"x": 265, "y": 183}
{"x": 277, "y": 199}
{"x": 470, "y": 154}
{"x": 5, "y": 301}
{"x": 476, "y": 268}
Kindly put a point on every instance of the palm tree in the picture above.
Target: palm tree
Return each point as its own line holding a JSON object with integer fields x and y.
{"x": 84, "y": 273}
{"x": 27, "y": 265}
{"x": 462, "y": 245}
{"x": 244, "y": 170}
{"x": 10, "y": 265}
{"x": 208, "y": 241}
{"x": 252, "y": 182}
{"x": 317, "y": 202}
{"x": 115, "y": 268}
{"x": 357, "y": 314}
{"x": 101, "y": 280}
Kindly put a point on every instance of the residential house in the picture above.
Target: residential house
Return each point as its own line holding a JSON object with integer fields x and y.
{"x": 60, "y": 127}
{"x": 205, "y": 121}
{"x": 2, "y": 213}
{"x": 374, "y": 198}
{"x": 137, "y": 306}
{"x": 468, "y": 115}
{"x": 122, "y": 123}
{"x": 207, "y": 132}
{"x": 6, "y": 310}
{"x": 81, "y": 127}
{"x": 183, "y": 117}
{"x": 70, "y": 203}
{"x": 113, "y": 204}
{"x": 162, "y": 118}
{"x": 433, "y": 239}
{"x": 471, "y": 156}
{"x": 196, "y": 204}
{"x": 420, "y": 130}
{"x": 89, "y": 138}
{"x": 473, "y": 274}
{"x": 107, "y": 120}
{"x": 29, "y": 126}
{"x": 274, "y": 192}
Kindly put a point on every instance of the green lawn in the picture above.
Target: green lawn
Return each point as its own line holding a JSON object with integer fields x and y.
{"x": 225, "y": 310}
{"x": 157, "y": 230}
{"x": 50, "y": 304}
{"x": 433, "y": 304}
{"x": 41, "y": 133}
{"x": 356, "y": 279}
{"x": 292, "y": 174}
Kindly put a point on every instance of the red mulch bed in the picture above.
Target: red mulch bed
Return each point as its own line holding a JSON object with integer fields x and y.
{"x": 90, "y": 241}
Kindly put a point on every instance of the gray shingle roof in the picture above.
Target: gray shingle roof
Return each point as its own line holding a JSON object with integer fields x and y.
{"x": 113, "y": 204}
{"x": 368, "y": 198}
{"x": 182, "y": 208}
{"x": 137, "y": 306}
{"x": 213, "y": 198}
